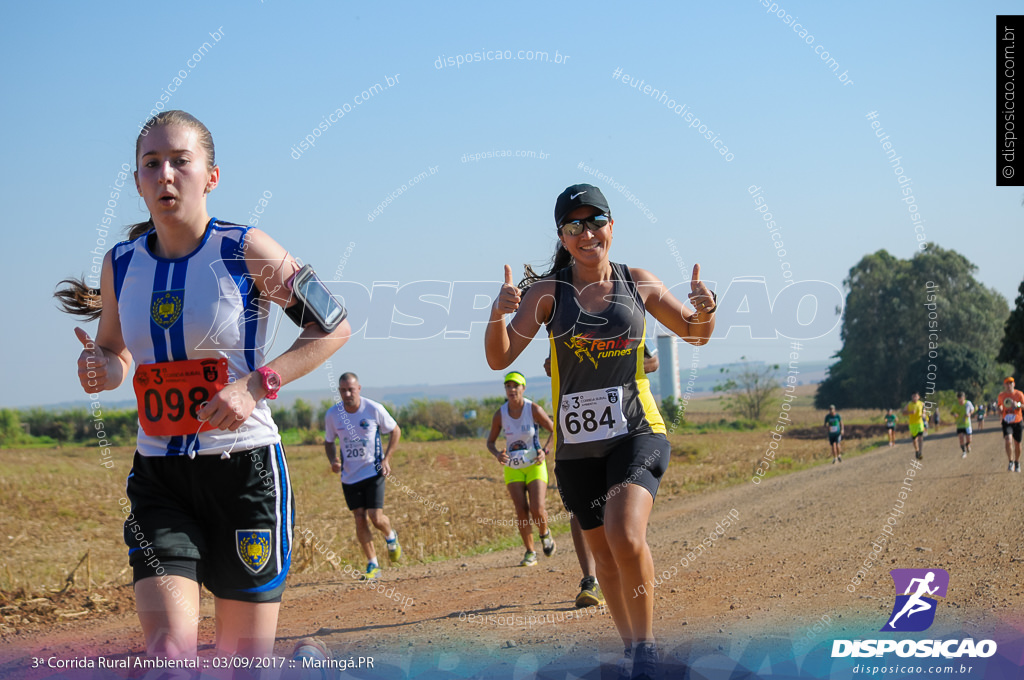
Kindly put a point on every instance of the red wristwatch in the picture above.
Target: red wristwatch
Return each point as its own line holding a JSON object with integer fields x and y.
{"x": 271, "y": 381}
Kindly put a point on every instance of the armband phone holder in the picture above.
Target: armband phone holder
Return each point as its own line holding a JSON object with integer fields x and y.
{"x": 315, "y": 303}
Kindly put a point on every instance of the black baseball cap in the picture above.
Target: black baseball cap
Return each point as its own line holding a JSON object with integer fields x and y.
{"x": 576, "y": 196}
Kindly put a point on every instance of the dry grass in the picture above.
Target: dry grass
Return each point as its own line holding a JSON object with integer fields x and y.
{"x": 446, "y": 499}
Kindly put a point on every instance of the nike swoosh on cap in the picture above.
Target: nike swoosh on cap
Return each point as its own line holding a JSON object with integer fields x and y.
{"x": 573, "y": 197}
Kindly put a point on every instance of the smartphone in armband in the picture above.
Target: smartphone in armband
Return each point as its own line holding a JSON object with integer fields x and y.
{"x": 315, "y": 302}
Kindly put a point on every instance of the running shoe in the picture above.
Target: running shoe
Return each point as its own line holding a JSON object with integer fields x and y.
{"x": 548, "y": 543}
{"x": 1017, "y": 466}
{"x": 316, "y": 651}
{"x": 1010, "y": 469}
{"x": 917, "y": 454}
{"x": 833, "y": 461}
{"x": 840, "y": 459}
{"x": 394, "y": 549}
{"x": 529, "y": 559}
{"x": 645, "y": 661}
{"x": 372, "y": 572}
{"x": 590, "y": 595}
{"x": 963, "y": 455}
{"x": 625, "y": 664}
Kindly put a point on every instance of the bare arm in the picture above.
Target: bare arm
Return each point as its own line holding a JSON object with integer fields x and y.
{"x": 393, "y": 438}
{"x": 332, "y": 456}
{"x": 492, "y": 439}
{"x": 271, "y": 268}
{"x": 651, "y": 363}
{"x": 503, "y": 344}
{"x": 104, "y": 363}
{"x": 541, "y": 417}
{"x": 693, "y": 327}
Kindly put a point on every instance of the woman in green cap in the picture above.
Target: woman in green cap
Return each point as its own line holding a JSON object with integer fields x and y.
{"x": 526, "y": 475}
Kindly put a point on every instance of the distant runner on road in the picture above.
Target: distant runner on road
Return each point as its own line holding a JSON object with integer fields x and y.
{"x": 890, "y": 425}
{"x": 1010, "y": 401}
{"x": 526, "y": 473}
{"x": 962, "y": 412}
{"x": 914, "y": 411}
{"x": 834, "y": 427}
{"x": 357, "y": 422}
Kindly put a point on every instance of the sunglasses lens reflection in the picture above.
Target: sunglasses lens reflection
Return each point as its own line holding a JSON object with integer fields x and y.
{"x": 576, "y": 227}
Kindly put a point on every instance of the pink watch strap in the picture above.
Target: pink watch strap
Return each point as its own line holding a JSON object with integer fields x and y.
{"x": 266, "y": 373}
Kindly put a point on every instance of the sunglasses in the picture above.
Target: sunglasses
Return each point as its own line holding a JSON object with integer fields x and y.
{"x": 576, "y": 227}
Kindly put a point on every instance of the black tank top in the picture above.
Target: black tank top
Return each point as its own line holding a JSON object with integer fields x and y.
{"x": 598, "y": 384}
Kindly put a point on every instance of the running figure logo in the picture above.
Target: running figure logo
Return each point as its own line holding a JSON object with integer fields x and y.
{"x": 578, "y": 344}
{"x": 916, "y": 585}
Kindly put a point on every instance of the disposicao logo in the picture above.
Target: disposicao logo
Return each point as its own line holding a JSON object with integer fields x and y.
{"x": 914, "y": 611}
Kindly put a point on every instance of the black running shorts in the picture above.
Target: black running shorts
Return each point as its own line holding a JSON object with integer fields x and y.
{"x": 223, "y": 522}
{"x": 369, "y": 493}
{"x": 586, "y": 484}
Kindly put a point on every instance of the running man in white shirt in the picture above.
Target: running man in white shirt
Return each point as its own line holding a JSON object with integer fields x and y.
{"x": 962, "y": 412}
{"x": 358, "y": 423}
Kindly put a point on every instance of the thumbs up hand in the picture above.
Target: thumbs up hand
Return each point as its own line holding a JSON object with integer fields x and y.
{"x": 92, "y": 364}
{"x": 701, "y": 298}
{"x": 509, "y": 297}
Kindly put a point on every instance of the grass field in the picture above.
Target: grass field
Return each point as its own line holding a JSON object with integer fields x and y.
{"x": 445, "y": 498}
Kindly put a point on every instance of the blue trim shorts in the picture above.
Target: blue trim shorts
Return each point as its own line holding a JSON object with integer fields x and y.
{"x": 225, "y": 523}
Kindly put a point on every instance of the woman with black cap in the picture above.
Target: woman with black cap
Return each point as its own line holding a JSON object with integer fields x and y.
{"x": 610, "y": 444}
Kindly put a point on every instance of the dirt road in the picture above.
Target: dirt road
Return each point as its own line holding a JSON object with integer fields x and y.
{"x": 787, "y": 562}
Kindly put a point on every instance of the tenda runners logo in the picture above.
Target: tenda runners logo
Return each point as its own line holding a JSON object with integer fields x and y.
{"x": 914, "y": 611}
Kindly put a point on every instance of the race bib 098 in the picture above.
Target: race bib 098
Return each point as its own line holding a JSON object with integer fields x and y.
{"x": 592, "y": 416}
{"x": 170, "y": 394}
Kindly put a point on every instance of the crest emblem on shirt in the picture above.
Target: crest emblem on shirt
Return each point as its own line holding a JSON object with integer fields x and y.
{"x": 613, "y": 395}
{"x": 253, "y": 546}
{"x": 166, "y": 307}
{"x": 365, "y": 424}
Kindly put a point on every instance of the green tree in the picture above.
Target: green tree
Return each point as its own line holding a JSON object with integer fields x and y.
{"x": 750, "y": 391}
{"x": 1011, "y": 348}
{"x": 11, "y": 432}
{"x": 959, "y": 368}
{"x": 902, "y": 319}
{"x": 321, "y": 412}
{"x": 670, "y": 411}
{"x": 303, "y": 411}
{"x": 284, "y": 417}
{"x": 439, "y": 415}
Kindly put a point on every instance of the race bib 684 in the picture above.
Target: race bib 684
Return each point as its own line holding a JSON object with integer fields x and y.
{"x": 591, "y": 416}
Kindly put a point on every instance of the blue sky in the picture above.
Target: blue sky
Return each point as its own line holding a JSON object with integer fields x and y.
{"x": 80, "y": 79}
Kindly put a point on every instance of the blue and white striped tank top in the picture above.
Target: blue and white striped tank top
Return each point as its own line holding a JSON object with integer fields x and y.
{"x": 200, "y": 306}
